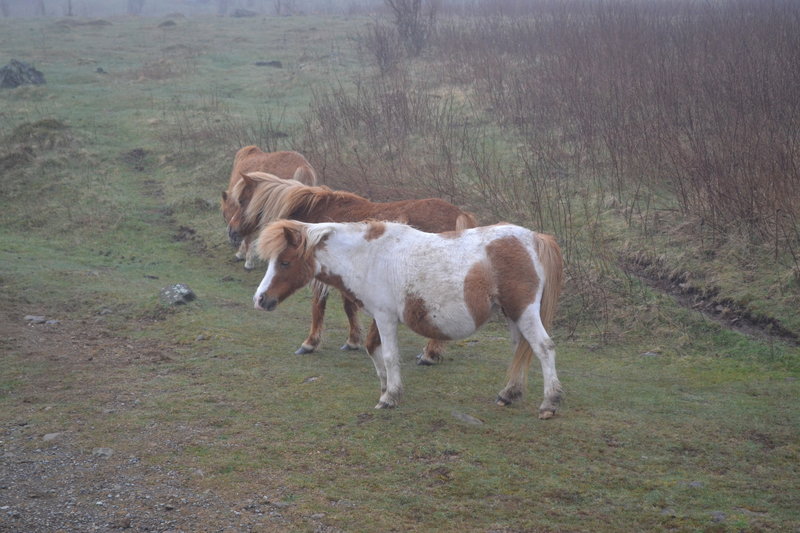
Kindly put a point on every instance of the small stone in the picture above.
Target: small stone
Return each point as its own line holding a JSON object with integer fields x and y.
{"x": 718, "y": 516}
{"x": 178, "y": 294}
{"x": 103, "y": 453}
{"x": 52, "y": 322}
{"x": 51, "y": 437}
{"x": 35, "y": 319}
{"x": 650, "y": 354}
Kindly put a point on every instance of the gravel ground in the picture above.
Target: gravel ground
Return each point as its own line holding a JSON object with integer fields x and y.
{"x": 50, "y": 481}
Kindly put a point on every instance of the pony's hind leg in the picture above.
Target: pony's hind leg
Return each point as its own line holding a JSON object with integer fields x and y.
{"x": 432, "y": 353}
{"x": 354, "y": 337}
{"x": 532, "y": 338}
{"x": 319, "y": 299}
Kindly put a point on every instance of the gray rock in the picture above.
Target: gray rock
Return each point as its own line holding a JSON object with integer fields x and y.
{"x": 35, "y": 319}
{"x": 103, "y": 453}
{"x": 51, "y": 437}
{"x": 178, "y": 294}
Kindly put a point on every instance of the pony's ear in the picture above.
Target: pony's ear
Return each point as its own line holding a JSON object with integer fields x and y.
{"x": 248, "y": 181}
{"x": 318, "y": 234}
{"x": 292, "y": 236}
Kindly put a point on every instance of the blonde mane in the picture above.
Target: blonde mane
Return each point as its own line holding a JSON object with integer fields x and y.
{"x": 275, "y": 198}
{"x": 273, "y": 238}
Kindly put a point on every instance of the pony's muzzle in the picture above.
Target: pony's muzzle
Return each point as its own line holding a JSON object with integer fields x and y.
{"x": 234, "y": 237}
{"x": 267, "y": 303}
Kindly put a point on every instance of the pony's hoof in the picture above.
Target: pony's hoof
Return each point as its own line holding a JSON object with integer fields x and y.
{"x": 384, "y": 405}
{"x": 424, "y": 361}
{"x": 302, "y": 350}
{"x": 349, "y": 347}
{"x": 502, "y": 402}
{"x": 546, "y": 413}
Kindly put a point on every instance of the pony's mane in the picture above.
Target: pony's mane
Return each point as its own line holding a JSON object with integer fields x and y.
{"x": 272, "y": 239}
{"x": 275, "y": 198}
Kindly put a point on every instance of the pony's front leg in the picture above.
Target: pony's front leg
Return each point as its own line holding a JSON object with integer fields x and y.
{"x": 241, "y": 253}
{"x": 318, "y": 301}
{"x": 386, "y": 357}
{"x": 373, "y": 347}
{"x": 354, "y": 338}
{"x": 250, "y": 253}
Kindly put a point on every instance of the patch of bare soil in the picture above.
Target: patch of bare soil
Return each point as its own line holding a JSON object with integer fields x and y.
{"x": 51, "y": 480}
{"x": 709, "y": 301}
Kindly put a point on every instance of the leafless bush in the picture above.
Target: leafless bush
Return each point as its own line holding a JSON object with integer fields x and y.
{"x": 414, "y": 20}
{"x": 580, "y": 107}
{"x": 382, "y": 44}
{"x": 698, "y": 102}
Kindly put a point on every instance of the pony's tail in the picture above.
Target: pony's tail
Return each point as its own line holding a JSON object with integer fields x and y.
{"x": 465, "y": 221}
{"x": 553, "y": 263}
{"x": 518, "y": 371}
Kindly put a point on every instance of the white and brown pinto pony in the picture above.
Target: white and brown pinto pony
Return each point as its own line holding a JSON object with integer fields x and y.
{"x": 266, "y": 198}
{"x": 442, "y": 286}
{"x": 284, "y": 164}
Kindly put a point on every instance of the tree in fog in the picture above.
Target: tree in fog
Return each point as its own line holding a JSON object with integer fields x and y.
{"x": 414, "y": 20}
{"x": 135, "y": 7}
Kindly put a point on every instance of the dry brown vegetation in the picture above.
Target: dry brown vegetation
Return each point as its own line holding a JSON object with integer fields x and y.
{"x": 672, "y": 117}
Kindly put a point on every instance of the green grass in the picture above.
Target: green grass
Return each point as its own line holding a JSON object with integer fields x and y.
{"x": 709, "y": 424}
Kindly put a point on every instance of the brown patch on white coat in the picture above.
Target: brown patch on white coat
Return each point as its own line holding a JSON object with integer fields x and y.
{"x": 375, "y": 229}
{"x": 416, "y": 317}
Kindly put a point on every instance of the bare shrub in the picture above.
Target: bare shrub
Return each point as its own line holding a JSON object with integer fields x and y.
{"x": 382, "y": 44}
{"x": 414, "y": 20}
{"x": 575, "y": 109}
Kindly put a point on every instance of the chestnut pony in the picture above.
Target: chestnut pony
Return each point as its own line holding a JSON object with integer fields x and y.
{"x": 265, "y": 198}
{"x": 286, "y": 165}
{"x": 443, "y": 286}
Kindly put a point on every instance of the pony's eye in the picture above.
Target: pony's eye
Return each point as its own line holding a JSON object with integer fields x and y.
{"x": 284, "y": 264}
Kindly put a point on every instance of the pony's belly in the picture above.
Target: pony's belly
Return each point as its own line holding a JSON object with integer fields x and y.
{"x": 459, "y": 329}
{"x": 447, "y": 322}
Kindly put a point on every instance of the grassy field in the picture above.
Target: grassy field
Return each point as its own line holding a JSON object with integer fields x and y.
{"x": 111, "y": 175}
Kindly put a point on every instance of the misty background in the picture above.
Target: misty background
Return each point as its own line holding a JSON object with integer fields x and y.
{"x": 156, "y": 8}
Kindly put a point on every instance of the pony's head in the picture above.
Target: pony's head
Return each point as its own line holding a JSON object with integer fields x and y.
{"x": 234, "y": 208}
{"x": 289, "y": 248}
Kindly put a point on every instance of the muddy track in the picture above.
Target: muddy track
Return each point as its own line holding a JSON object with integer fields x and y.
{"x": 707, "y": 300}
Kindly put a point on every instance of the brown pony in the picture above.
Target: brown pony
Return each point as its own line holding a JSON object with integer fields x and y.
{"x": 286, "y": 165}
{"x": 265, "y": 198}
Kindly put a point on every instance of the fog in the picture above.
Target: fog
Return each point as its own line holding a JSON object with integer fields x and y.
{"x": 158, "y": 8}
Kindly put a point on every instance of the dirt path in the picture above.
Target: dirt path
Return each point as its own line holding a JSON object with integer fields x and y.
{"x": 50, "y": 480}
